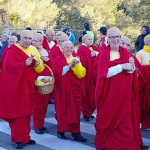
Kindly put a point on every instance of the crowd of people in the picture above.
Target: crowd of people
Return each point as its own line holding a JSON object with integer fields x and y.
{"x": 106, "y": 78}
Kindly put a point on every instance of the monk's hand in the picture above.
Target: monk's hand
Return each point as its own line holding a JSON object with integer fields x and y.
{"x": 93, "y": 54}
{"x": 28, "y": 61}
{"x": 127, "y": 66}
{"x": 44, "y": 58}
{"x": 72, "y": 63}
{"x": 37, "y": 63}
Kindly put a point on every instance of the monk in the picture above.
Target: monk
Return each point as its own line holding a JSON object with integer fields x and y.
{"x": 41, "y": 101}
{"x": 19, "y": 72}
{"x": 117, "y": 121}
{"x": 56, "y": 50}
{"x": 144, "y": 78}
{"x": 88, "y": 56}
{"x": 11, "y": 40}
{"x": 48, "y": 39}
{"x": 69, "y": 73}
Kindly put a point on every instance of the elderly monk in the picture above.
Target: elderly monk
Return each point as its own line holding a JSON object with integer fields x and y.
{"x": 117, "y": 121}
{"x": 125, "y": 43}
{"x": 19, "y": 72}
{"x": 69, "y": 73}
{"x": 48, "y": 40}
{"x": 41, "y": 101}
{"x": 88, "y": 56}
{"x": 144, "y": 77}
{"x": 56, "y": 51}
{"x": 11, "y": 40}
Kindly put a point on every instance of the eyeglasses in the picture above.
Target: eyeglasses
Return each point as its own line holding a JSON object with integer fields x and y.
{"x": 114, "y": 37}
{"x": 36, "y": 41}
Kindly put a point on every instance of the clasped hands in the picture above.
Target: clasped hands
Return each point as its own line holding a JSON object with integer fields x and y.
{"x": 129, "y": 67}
{"x": 93, "y": 54}
{"x": 29, "y": 61}
{"x": 74, "y": 62}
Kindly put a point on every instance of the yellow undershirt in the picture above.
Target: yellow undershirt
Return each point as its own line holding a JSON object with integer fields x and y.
{"x": 146, "y": 48}
{"x": 31, "y": 50}
{"x": 78, "y": 69}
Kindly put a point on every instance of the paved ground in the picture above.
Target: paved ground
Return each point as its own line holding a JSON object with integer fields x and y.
{"x": 49, "y": 140}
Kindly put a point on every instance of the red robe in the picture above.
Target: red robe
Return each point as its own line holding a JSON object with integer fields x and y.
{"x": 117, "y": 122}
{"x": 17, "y": 93}
{"x": 88, "y": 103}
{"x": 45, "y": 44}
{"x": 55, "y": 52}
{"x": 144, "y": 80}
{"x": 3, "y": 56}
{"x": 20, "y": 85}
{"x": 41, "y": 102}
{"x": 69, "y": 91}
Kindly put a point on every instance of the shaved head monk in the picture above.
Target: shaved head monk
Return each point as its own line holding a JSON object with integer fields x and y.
{"x": 117, "y": 121}
{"x": 19, "y": 72}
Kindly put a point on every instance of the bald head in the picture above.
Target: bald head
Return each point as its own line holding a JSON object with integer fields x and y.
{"x": 38, "y": 36}
{"x": 85, "y": 37}
{"x": 12, "y": 40}
{"x": 113, "y": 30}
{"x": 147, "y": 39}
{"x": 125, "y": 42}
{"x": 65, "y": 43}
{"x": 26, "y": 38}
{"x": 26, "y": 33}
{"x": 50, "y": 33}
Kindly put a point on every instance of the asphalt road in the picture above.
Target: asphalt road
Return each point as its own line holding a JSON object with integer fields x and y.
{"x": 49, "y": 140}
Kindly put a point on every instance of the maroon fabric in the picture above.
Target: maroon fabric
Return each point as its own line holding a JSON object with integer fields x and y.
{"x": 41, "y": 102}
{"x": 3, "y": 57}
{"x": 17, "y": 80}
{"x": 117, "y": 122}
{"x": 45, "y": 43}
{"x": 102, "y": 42}
{"x": 55, "y": 52}
{"x": 144, "y": 80}
{"x": 69, "y": 92}
{"x": 88, "y": 103}
{"x": 20, "y": 129}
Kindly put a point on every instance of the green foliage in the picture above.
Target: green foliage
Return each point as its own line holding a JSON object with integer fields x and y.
{"x": 128, "y": 15}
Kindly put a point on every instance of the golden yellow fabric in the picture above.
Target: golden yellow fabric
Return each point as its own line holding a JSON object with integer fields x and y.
{"x": 31, "y": 50}
{"x": 78, "y": 69}
{"x": 146, "y": 48}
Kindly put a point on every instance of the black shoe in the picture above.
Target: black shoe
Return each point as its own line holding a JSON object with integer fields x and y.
{"x": 39, "y": 131}
{"x": 92, "y": 116}
{"x": 80, "y": 138}
{"x": 19, "y": 145}
{"x": 143, "y": 146}
{"x": 86, "y": 118}
{"x": 43, "y": 128}
{"x": 31, "y": 142}
{"x": 61, "y": 135}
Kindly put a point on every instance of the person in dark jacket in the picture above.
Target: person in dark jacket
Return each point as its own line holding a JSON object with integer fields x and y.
{"x": 139, "y": 43}
{"x": 86, "y": 31}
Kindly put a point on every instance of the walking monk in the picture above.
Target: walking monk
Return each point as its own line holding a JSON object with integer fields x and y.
{"x": 117, "y": 121}
{"x": 69, "y": 89}
{"x": 144, "y": 77}
{"x": 19, "y": 72}
{"x": 41, "y": 101}
{"x": 88, "y": 56}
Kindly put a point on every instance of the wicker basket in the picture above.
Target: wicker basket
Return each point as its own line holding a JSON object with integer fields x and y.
{"x": 48, "y": 88}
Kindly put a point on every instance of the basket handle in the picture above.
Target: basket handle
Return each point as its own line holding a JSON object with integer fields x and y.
{"x": 50, "y": 71}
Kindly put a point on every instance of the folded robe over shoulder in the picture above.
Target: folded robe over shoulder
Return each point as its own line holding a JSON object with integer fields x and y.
{"x": 16, "y": 85}
{"x": 68, "y": 89}
{"x": 117, "y": 103}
